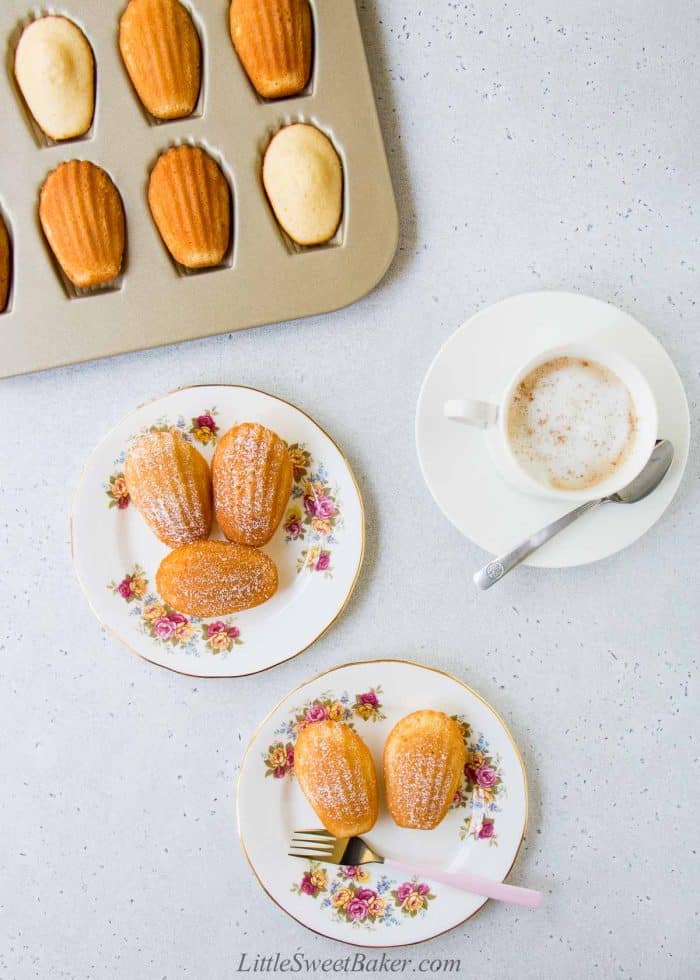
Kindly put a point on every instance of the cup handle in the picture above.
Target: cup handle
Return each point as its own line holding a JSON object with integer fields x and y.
{"x": 480, "y": 414}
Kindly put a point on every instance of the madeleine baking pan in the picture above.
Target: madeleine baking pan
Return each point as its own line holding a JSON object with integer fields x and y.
{"x": 265, "y": 277}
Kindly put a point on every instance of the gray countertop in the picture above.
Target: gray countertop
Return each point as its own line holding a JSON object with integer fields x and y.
{"x": 532, "y": 146}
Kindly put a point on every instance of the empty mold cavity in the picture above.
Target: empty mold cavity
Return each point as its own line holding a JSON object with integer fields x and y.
{"x": 9, "y": 267}
{"x": 41, "y": 139}
{"x": 229, "y": 256}
{"x": 293, "y": 247}
{"x": 308, "y": 89}
{"x": 198, "y": 110}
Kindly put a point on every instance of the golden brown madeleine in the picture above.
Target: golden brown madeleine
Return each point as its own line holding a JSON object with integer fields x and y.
{"x": 424, "y": 758}
{"x": 170, "y": 485}
{"x": 215, "y": 578}
{"x": 303, "y": 179}
{"x": 82, "y": 215}
{"x": 274, "y": 41}
{"x": 162, "y": 53}
{"x": 55, "y": 70}
{"x": 190, "y": 201}
{"x": 252, "y": 476}
{"x": 5, "y": 265}
{"x": 336, "y": 773}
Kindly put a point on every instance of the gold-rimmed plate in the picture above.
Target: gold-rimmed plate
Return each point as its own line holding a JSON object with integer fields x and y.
{"x": 481, "y": 833}
{"x": 318, "y": 548}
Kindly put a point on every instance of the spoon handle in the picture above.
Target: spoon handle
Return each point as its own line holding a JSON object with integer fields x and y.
{"x": 494, "y": 570}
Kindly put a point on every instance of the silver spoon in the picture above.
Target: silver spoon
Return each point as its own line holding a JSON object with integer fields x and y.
{"x": 650, "y": 477}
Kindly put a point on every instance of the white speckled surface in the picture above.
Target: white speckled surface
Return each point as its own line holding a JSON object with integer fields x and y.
{"x": 532, "y": 145}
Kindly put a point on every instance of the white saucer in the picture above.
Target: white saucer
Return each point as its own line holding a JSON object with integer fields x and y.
{"x": 482, "y": 831}
{"x": 476, "y": 362}
{"x": 318, "y": 556}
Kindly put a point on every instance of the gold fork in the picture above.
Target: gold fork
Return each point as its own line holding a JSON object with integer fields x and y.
{"x": 320, "y": 845}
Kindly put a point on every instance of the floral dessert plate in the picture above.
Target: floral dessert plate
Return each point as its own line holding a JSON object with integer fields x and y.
{"x": 364, "y": 906}
{"x": 318, "y": 548}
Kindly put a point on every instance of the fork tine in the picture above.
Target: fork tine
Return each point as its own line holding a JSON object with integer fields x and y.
{"x": 316, "y": 850}
{"x": 316, "y": 833}
{"x": 312, "y": 840}
{"x": 311, "y": 857}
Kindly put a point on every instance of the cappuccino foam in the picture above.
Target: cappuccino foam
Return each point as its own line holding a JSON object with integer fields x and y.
{"x": 571, "y": 423}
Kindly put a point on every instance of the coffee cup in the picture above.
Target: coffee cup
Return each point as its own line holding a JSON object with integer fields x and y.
{"x": 574, "y": 423}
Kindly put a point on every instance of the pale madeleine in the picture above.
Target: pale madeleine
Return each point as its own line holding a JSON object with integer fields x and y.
{"x": 55, "y": 71}
{"x": 303, "y": 179}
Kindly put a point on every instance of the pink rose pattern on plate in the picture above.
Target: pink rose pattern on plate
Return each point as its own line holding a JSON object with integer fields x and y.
{"x": 167, "y": 626}
{"x": 351, "y": 896}
{"x": 279, "y": 758}
{"x": 314, "y": 516}
{"x": 482, "y": 788}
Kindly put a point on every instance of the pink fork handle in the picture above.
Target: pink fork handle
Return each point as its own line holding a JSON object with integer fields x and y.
{"x": 473, "y": 883}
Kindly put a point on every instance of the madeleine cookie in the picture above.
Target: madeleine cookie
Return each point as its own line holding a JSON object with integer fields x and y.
{"x": 252, "y": 476}
{"x": 82, "y": 216}
{"x": 162, "y": 53}
{"x": 55, "y": 71}
{"x": 170, "y": 485}
{"x": 5, "y": 265}
{"x": 215, "y": 578}
{"x": 336, "y": 773}
{"x": 424, "y": 758}
{"x": 190, "y": 201}
{"x": 303, "y": 179}
{"x": 274, "y": 41}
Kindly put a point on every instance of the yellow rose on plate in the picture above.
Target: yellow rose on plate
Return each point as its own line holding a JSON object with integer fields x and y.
{"x": 277, "y": 757}
{"x": 119, "y": 488}
{"x": 414, "y": 902}
{"x": 184, "y": 631}
{"x": 220, "y": 641}
{"x": 377, "y": 907}
{"x": 336, "y": 711}
{"x": 312, "y": 556}
{"x": 319, "y": 878}
{"x": 153, "y": 611}
{"x": 341, "y": 898}
{"x": 298, "y": 458}
{"x": 320, "y": 525}
{"x": 203, "y": 435}
{"x": 138, "y": 586}
{"x": 364, "y": 711}
{"x": 361, "y": 875}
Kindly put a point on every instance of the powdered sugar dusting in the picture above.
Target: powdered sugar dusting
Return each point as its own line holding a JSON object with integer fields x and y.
{"x": 214, "y": 578}
{"x": 424, "y": 758}
{"x": 336, "y": 773}
{"x": 252, "y": 475}
{"x": 170, "y": 484}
